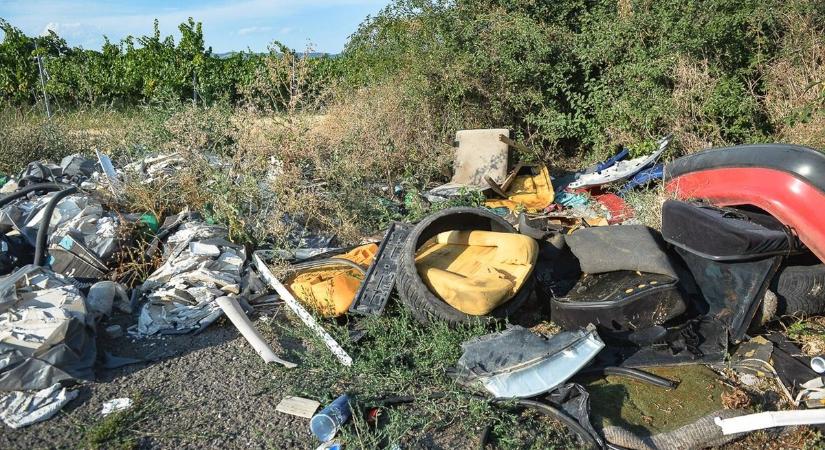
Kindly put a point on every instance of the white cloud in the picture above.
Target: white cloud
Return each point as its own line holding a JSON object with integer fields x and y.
{"x": 285, "y": 30}
{"x": 253, "y": 30}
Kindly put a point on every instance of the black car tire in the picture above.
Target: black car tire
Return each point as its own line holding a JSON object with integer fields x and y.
{"x": 425, "y": 306}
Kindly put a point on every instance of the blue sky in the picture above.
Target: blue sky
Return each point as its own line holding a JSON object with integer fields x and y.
{"x": 227, "y": 25}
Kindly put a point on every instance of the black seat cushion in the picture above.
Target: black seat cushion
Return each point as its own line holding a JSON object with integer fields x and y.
{"x": 725, "y": 233}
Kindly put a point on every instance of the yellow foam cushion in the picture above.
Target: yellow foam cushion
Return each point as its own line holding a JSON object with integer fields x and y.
{"x": 330, "y": 290}
{"x": 529, "y": 192}
{"x": 476, "y": 271}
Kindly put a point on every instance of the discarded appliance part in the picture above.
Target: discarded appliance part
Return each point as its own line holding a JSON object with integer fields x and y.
{"x": 20, "y": 409}
{"x": 530, "y": 190}
{"x": 643, "y": 178}
{"x": 619, "y": 302}
{"x": 425, "y": 305}
{"x": 236, "y": 315}
{"x": 299, "y": 310}
{"x": 46, "y": 332}
{"x": 328, "y": 286}
{"x": 480, "y": 154}
{"x": 476, "y": 271}
{"x": 517, "y": 363}
{"x": 379, "y": 280}
{"x": 818, "y": 364}
{"x": 298, "y": 406}
{"x": 329, "y": 420}
{"x": 786, "y": 181}
{"x": 115, "y": 405}
{"x": 770, "y": 419}
{"x": 702, "y": 433}
{"x": 620, "y": 170}
{"x": 623, "y": 247}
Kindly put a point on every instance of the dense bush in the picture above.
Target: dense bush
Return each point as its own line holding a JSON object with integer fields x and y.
{"x": 578, "y": 75}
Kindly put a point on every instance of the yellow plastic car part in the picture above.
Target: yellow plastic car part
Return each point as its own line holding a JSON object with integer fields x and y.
{"x": 527, "y": 192}
{"x": 476, "y": 271}
{"x": 330, "y": 290}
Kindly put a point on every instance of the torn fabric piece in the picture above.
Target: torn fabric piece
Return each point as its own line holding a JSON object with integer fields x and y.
{"x": 20, "y": 409}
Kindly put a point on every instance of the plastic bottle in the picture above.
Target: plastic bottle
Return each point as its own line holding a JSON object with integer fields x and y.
{"x": 326, "y": 423}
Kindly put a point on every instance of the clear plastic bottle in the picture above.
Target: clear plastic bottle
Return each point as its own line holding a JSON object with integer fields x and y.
{"x": 326, "y": 423}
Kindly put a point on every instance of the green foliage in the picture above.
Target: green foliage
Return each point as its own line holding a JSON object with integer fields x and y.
{"x": 576, "y": 75}
{"x": 142, "y": 70}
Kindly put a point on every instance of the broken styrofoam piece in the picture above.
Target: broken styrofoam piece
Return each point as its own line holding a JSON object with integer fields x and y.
{"x": 115, "y": 405}
{"x": 20, "y": 409}
{"x": 236, "y": 315}
{"x": 298, "y": 406}
{"x": 770, "y": 419}
{"x": 301, "y": 312}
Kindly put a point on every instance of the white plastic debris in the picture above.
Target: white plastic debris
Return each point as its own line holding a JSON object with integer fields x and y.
{"x": 771, "y": 419}
{"x": 236, "y": 315}
{"x": 114, "y": 405}
{"x": 20, "y": 409}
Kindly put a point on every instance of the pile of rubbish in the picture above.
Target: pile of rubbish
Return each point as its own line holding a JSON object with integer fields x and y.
{"x": 740, "y": 246}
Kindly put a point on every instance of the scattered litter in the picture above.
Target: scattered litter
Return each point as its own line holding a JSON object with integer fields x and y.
{"x": 20, "y": 409}
{"x": 236, "y": 315}
{"x": 325, "y": 424}
{"x": 519, "y": 363}
{"x": 298, "y": 406}
{"x": 818, "y": 364}
{"x": 115, "y": 405}
{"x": 182, "y": 291}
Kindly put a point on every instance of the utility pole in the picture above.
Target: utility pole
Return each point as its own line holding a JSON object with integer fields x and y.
{"x": 194, "y": 89}
{"x": 43, "y": 86}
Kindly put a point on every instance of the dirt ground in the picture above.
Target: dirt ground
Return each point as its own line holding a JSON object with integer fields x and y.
{"x": 208, "y": 390}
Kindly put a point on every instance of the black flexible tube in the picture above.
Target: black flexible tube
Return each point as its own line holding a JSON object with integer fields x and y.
{"x": 43, "y": 232}
{"x": 328, "y": 262}
{"x": 559, "y": 415}
{"x": 22, "y": 192}
{"x": 640, "y": 375}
